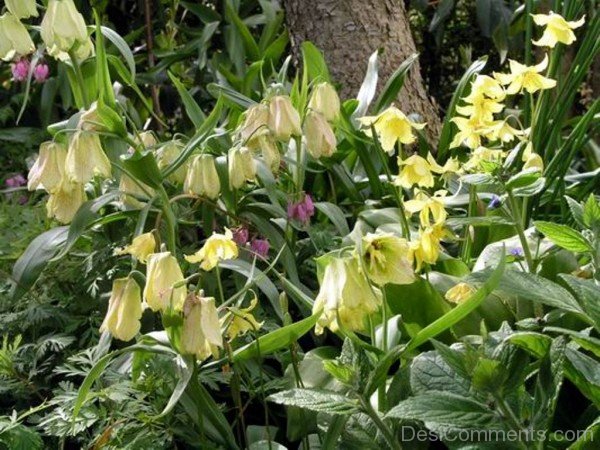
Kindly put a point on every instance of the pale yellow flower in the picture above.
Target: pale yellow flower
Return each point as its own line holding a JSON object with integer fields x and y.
{"x": 201, "y": 333}
{"x": 14, "y": 38}
{"x": 167, "y": 155}
{"x": 557, "y": 29}
{"x": 256, "y": 124}
{"x": 469, "y": 132}
{"x": 431, "y": 209}
{"x": 459, "y": 293}
{"x": 270, "y": 152}
{"x": 415, "y": 170}
{"x": 162, "y": 275}
{"x": 202, "y": 177}
{"x": 324, "y": 100}
{"x": 532, "y": 160}
{"x": 22, "y": 9}
{"x": 501, "y": 130}
{"x": 392, "y": 126}
{"x": 386, "y": 259}
{"x": 132, "y": 190}
{"x": 239, "y": 321}
{"x": 65, "y": 200}
{"x": 320, "y": 139}
{"x": 486, "y": 86}
{"x": 218, "y": 247}
{"x": 427, "y": 248}
{"x": 481, "y": 108}
{"x": 522, "y": 77}
{"x": 482, "y": 156}
{"x": 124, "y": 312}
{"x": 241, "y": 166}
{"x": 140, "y": 248}
{"x": 284, "y": 120}
{"x": 345, "y": 299}
{"x": 86, "y": 158}
{"x": 63, "y": 27}
{"x": 48, "y": 169}
{"x": 452, "y": 165}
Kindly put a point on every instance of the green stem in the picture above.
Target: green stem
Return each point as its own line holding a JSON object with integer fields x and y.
{"x": 467, "y": 242}
{"x": 385, "y": 430}
{"x": 381, "y": 390}
{"x": 527, "y": 58}
{"x": 220, "y": 286}
{"x": 299, "y": 165}
{"x": 80, "y": 80}
{"x": 170, "y": 219}
{"x": 516, "y": 216}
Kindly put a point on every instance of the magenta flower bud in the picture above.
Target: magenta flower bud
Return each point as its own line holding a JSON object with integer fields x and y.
{"x": 301, "y": 211}
{"x": 20, "y": 70}
{"x": 41, "y": 72}
{"x": 240, "y": 236}
{"x": 260, "y": 247}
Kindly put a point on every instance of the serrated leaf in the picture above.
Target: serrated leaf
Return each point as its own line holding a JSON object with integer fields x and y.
{"x": 564, "y": 236}
{"x": 591, "y": 212}
{"x": 316, "y": 400}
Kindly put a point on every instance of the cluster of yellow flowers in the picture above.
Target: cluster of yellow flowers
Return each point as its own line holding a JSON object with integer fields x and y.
{"x": 63, "y": 30}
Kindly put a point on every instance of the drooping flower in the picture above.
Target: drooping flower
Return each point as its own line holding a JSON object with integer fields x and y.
{"x": 166, "y": 155}
{"x": 47, "y": 171}
{"x": 256, "y": 124}
{"x": 134, "y": 190}
{"x": 386, "y": 259}
{"x": 140, "y": 248}
{"x": 270, "y": 152}
{"x": 284, "y": 120}
{"x": 320, "y": 139}
{"x": 238, "y": 321}
{"x": 486, "y": 86}
{"x": 22, "y": 9}
{"x": 14, "y": 38}
{"x": 501, "y": 130}
{"x": 124, "y": 312}
{"x": 302, "y": 210}
{"x": 202, "y": 177}
{"x": 324, "y": 100}
{"x": 392, "y": 126}
{"x": 451, "y": 166}
{"x": 240, "y": 235}
{"x": 415, "y": 170}
{"x": 470, "y": 131}
{"x": 218, "y": 247}
{"x": 459, "y": 293}
{"x": 431, "y": 209}
{"x": 522, "y": 77}
{"x": 345, "y": 299}
{"x": 20, "y": 69}
{"x": 426, "y": 249}
{"x": 41, "y": 72}
{"x": 201, "y": 332}
{"x": 63, "y": 28}
{"x": 85, "y": 157}
{"x": 15, "y": 181}
{"x": 495, "y": 202}
{"x": 165, "y": 286}
{"x": 65, "y": 199}
{"x": 241, "y": 166}
{"x": 532, "y": 160}
{"x": 483, "y": 158}
{"x": 557, "y": 29}
{"x": 260, "y": 247}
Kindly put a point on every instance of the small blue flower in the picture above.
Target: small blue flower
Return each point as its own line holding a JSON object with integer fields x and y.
{"x": 516, "y": 252}
{"x": 495, "y": 202}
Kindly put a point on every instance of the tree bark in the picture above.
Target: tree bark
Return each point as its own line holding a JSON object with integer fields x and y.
{"x": 348, "y": 32}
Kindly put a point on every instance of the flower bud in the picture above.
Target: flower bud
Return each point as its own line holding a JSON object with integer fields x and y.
{"x": 241, "y": 167}
{"x": 270, "y": 152}
{"x": 345, "y": 299}
{"x": 325, "y": 101}
{"x": 22, "y": 9}
{"x": 201, "y": 333}
{"x": 386, "y": 259}
{"x": 65, "y": 200}
{"x": 41, "y": 72}
{"x": 166, "y": 155}
{"x": 47, "y": 171}
{"x": 86, "y": 158}
{"x": 124, "y": 310}
{"x": 140, "y": 248}
{"x": 284, "y": 120}
{"x": 218, "y": 247}
{"x": 239, "y": 321}
{"x": 134, "y": 190}
{"x": 320, "y": 140}
{"x": 20, "y": 69}
{"x": 162, "y": 273}
{"x": 202, "y": 177}
{"x": 255, "y": 124}
{"x": 14, "y": 38}
{"x": 63, "y": 27}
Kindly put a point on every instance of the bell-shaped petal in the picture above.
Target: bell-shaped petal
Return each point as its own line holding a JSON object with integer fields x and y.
{"x": 86, "y": 158}
{"x": 22, "y": 9}
{"x": 202, "y": 177}
{"x": 218, "y": 247}
{"x": 65, "y": 199}
{"x": 320, "y": 139}
{"x": 201, "y": 332}
{"x": 48, "y": 169}
{"x": 386, "y": 259}
{"x": 63, "y": 28}
{"x": 14, "y": 38}
{"x": 165, "y": 288}
{"x": 122, "y": 319}
{"x": 325, "y": 101}
{"x": 140, "y": 248}
{"x": 284, "y": 120}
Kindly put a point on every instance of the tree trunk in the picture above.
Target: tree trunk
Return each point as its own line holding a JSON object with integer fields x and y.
{"x": 348, "y": 32}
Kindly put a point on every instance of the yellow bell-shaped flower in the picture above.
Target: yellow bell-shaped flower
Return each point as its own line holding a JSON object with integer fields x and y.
{"x": 134, "y": 192}
{"x": 557, "y": 29}
{"x": 415, "y": 170}
{"x": 86, "y": 158}
{"x": 320, "y": 139}
{"x": 166, "y": 155}
{"x": 345, "y": 299}
{"x": 202, "y": 177}
{"x": 426, "y": 249}
{"x": 63, "y": 27}
{"x": 527, "y": 78}
{"x": 386, "y": 259}
{"x": 532, "y": 160}
{"x": 162, "y": 275}
{"x": 22, "y": 9}
{"x": 218, "y": 247}
{"x": 256, "y": 124}
{"x": 431, "y": 209}
{"x": 284, "y": 120}
{"x": 238, "y": 321}
{"x": 14, "y": 38}
{"x": 48, "y": 169}
{"x": 241, "y": 166}
{"x": 140, "y": 248}
{"x": 201, "y": 332}
{"x": 325, "y": 101}
{"x": 270, "y": 152}
{"x": 392, "y": 126}
{"x": 65, "y": 199}
{"x": 122, "y": 319}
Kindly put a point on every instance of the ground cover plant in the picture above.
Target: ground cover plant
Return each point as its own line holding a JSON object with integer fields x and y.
{"x": 269, "y": 266}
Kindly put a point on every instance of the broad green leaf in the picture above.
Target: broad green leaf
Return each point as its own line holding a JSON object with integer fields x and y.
{"x": 122, "y": 46}
{"x": 564, "y": 236}
{"x": 445, "y": 408}
{"x": 107, "y": 94}
{"x": 314, "y": 62}
{"x": 34, "y": 259}
{"x": 392, "y": 87}
{"x": 316, "y": 400}
{"x": 587, "y": 293}
{"x": 233, "y": 96}
{"x": 591, "y": 212}
{"x": 537, "y": 344}
{"x": 335, "y": 214}
{"x": 430, "y": 372}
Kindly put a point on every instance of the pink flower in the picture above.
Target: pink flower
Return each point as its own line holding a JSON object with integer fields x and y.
{"x": 301, "y": 211}
{"x": 260, "y": 247}
{"x": 15, "y": 181}
{"x": 240, "y": 236}
{"x": 20, "y": 69}
{"x": 41, "y": 72}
